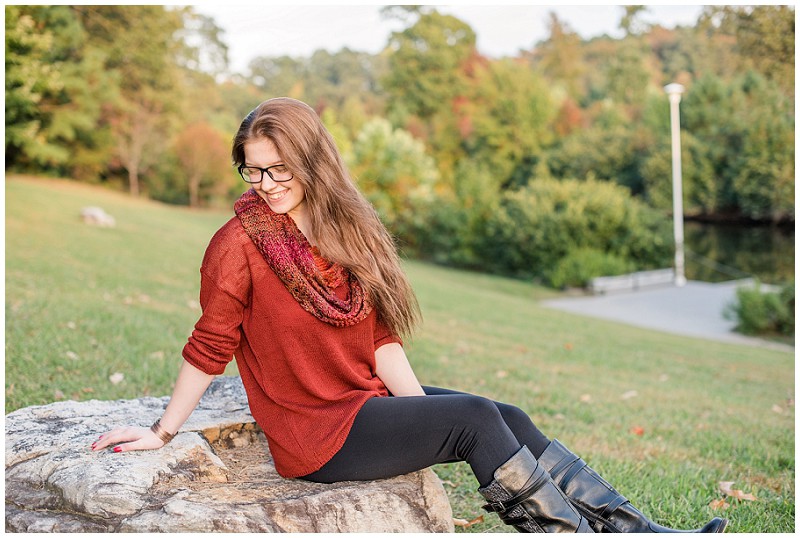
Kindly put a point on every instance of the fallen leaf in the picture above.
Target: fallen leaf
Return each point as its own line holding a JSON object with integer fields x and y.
{"x": 777, "y": 409}
{"x": 630, "y": 394}
{"x": 637, "y": 430}
{"x": 72, "y": 355}
{"x": 462, "y": 348}
{"x": 71, "y": 325}
{"x": 87, "y": 390}
{"x": 464, "y": 523}
{"x": 58, "y": 394}
{"x": 568, "y": 346}
{"x": 727, "y": 489}
{"x": 501, "y": 374}
{"x": 116, "y": 378}
{"x": 719, "y": 504}
{"x": 586, "y": 398}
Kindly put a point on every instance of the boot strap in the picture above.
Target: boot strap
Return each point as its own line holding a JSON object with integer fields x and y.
{"x": 527, "y": 490}
{"x": 565, "y": 463}
{"x": 573, "y": 465}
{"x": 612, "y": 506}
{"x": 577, "y": 467}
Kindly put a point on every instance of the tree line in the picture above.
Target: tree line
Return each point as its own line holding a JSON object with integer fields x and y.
{"x": 451, "y": 146}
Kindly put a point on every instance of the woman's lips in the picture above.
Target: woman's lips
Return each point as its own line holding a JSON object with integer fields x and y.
{"x": 275, "y": 196}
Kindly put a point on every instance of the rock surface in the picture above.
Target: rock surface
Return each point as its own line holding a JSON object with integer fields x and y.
{"x": 215, "y": 476}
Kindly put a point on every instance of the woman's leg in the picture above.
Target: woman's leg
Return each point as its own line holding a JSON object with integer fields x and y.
{"x": 517, "y": 420}
{"x": 398, "y": 435}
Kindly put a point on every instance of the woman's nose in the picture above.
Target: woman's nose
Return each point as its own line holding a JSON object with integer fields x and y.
{"x": 266, "y": 183}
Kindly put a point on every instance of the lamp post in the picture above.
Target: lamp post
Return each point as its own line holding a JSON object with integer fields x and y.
{"x": 674, "y": 92}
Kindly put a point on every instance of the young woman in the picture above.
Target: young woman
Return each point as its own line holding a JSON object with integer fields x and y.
{"x": 305, "y": 288}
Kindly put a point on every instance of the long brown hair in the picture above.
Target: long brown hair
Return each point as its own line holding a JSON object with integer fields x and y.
{"x": 344, "y": 224}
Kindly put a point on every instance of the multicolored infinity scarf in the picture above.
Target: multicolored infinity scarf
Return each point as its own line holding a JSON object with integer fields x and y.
{"x": 309, "y": 278}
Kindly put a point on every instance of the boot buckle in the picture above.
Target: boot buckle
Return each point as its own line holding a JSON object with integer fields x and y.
{"x": 495, "y": 506}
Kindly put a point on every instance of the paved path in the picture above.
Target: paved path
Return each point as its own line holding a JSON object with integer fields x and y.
{"x": 692, "y": 310}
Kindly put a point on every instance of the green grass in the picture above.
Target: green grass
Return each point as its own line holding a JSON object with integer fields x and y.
{"x": 83, "y": 303}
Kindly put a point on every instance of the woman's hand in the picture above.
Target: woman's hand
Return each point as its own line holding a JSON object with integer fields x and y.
{"x": 131, "y": 437}
{"x": 189, "y": 388}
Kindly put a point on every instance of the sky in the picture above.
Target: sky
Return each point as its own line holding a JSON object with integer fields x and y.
{"x": 252, "y": 30}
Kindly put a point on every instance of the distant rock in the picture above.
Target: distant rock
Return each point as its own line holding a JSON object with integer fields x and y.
{"x": 217, "y": 475}
{"x": 97, "y": 216}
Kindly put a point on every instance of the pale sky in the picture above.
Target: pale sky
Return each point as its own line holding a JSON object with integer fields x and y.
{"x": 253, "y": 30}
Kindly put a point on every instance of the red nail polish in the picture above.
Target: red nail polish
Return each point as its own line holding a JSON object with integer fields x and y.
{"x": 117, "y": 449}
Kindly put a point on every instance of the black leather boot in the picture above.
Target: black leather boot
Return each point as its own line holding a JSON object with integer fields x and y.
{"x": 524, "y": 496}
{"x": 601, "y": 504}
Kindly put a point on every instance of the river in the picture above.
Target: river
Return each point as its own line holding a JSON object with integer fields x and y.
{"x": 719, "y": 252}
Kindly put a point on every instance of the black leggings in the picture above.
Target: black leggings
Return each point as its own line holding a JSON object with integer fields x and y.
{"x": 397, "y": 435}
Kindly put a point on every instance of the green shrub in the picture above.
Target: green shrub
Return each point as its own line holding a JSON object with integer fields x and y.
{"x": 577, "y": 268}
{"x": 534, "y": 227}
{"x": 763, "y": 313}
{"x": 449, "y": 225}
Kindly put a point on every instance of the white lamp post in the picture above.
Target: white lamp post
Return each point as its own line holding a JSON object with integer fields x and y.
{"x": 674, "y": 92}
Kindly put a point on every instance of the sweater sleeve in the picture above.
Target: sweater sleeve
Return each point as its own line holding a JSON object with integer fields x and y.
{"x": 224, "y": 294}
{"x": 383, "y": 335}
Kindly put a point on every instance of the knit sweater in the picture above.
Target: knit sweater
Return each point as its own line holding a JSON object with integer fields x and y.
{"x": 305, "y": 379}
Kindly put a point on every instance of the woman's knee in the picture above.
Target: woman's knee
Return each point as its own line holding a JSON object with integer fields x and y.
{"x": 477, "y": 409}
{"x": 513, "y": 415}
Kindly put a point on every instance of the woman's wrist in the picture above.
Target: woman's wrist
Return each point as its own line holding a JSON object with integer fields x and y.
{"x": 160, "y": 432}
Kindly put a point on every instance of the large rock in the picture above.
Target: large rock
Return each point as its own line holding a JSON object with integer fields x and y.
{"x": 216, "y": 475}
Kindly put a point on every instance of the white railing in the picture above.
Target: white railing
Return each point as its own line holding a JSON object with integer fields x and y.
{"x": 632, "y": 281}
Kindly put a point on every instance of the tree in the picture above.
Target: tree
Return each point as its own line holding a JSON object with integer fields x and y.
{"x": 426, "y": 65}
{"x": 394, "y": 173}
{"x": 278, "y": 76}
{"x": 203, "y": 157}
{"x": 764, "y": 35}
{"x": 560, "y": 57}
{"x": 141, "y": 46}
{"x": 202, "y": 48}
{"x": 627, "y": 76}
{"x": 746, "y": 127}
{"x": 56, "y": 88}
{"x": 29, "y": 79}
{"x": 630, "y": 22}
{"x": 510, "y": 117}
{"x": 763, "y": 177}
{"x": 609, "y": 149}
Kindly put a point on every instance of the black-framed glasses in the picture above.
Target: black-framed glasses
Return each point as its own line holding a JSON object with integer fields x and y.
{"x": 277, "y": 172}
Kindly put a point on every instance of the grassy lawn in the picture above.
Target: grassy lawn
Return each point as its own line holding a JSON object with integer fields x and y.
{"x": 84, "y": 303}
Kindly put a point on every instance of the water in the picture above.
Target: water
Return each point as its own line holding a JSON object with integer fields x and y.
{"x": 719, "y": 252}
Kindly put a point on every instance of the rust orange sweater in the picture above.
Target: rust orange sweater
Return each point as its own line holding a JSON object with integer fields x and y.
{"x": 305, "y": 379}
